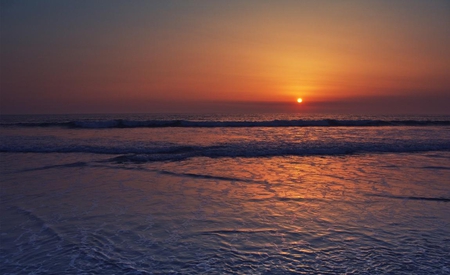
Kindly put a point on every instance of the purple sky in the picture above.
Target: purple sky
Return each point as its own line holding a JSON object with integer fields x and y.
{"x": 374, "y": 57}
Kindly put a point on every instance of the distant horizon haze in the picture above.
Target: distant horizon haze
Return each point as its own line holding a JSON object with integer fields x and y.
{"x": 434, "y": 105}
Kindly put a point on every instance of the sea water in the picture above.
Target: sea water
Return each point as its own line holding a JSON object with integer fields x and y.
{"x": 224, "y": 194}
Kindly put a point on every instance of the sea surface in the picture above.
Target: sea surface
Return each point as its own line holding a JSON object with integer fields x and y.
{"x": 224, "y": 194}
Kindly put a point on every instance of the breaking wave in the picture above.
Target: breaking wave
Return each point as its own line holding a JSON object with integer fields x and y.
{"x": 123, "y": 123}
{"x": 244, "y": 149}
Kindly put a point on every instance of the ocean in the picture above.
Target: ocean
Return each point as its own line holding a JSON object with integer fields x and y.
{"x": 224, "y": 194}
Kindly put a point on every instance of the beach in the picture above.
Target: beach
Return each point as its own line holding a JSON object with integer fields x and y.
{"x": 185, "y": 205}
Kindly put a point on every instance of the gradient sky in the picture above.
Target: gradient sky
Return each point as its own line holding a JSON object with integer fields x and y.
{"x": 203, "y": 56}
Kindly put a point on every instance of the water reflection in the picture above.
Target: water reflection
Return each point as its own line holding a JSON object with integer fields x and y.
{"x": 254, "y": 215}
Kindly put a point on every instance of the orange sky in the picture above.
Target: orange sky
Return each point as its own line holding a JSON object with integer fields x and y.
{"x": 191, "y": 56}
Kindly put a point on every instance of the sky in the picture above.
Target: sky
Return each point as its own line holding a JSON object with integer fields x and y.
{"x": 139, "y": 56}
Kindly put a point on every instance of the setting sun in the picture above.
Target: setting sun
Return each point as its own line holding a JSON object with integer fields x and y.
{"x": 299, "y": 100}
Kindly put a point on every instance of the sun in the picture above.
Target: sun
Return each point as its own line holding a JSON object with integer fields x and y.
{"x": 299, "y": 100}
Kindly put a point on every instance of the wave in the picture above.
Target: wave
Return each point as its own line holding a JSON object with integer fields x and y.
{"x": 245, "y": 149}
{"x": 440, "y": 199}
{"x": 123, "y": 123}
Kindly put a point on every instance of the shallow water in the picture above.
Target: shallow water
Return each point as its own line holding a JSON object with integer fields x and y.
{"x": 365, "y": 213}
{"x": 285, "y": 212}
